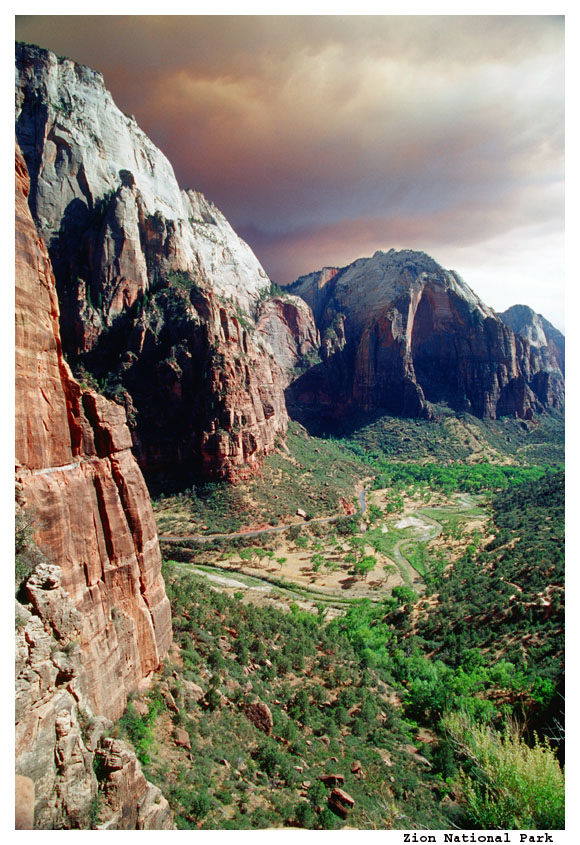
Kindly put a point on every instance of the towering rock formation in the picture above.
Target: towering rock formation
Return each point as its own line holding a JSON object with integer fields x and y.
{"x": 398, "y": 332}
{"x": 158, "y": 294}
{"x": 540, "y": 333}
{"x": 95, "y": 620}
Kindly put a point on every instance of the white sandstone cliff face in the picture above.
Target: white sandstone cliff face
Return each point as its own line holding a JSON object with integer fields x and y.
{"x": 368, "y": 286}
{"x": 156, "y": 290}
{"x": 288, "y": 326}
{"x": 539, "y": 333}
{"x": 80, "y": 148}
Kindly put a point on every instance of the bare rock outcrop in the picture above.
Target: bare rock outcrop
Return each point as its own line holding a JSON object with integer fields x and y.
{"x": 96, "y": 621}
{"x": 288, "y": 325}
{"x": 260, "y": 715}
{"x": 62, "y": 781}
{"x": 340, "y": 802}
{"x": 157, "y": 292}
{"x": 540, "y": 333}
{"x": 399, "y": 332}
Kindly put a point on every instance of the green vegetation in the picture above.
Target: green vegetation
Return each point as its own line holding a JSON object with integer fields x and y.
{"x": 511, "y": 786}
{"x": 506, "y": 600}
{"x": 27, "y": 554}
{"x": 464, "y": 660}
{"x": 469, "y": 478}
{"x": 313, "y": 475}
{"x": 452, "y": 437}
{"x": 139, "y": 728}
{"x": 482, "y": 647}
{"x": 184, "y": 281}
{"x": 448, "y": 663}
{"x": 329, "y": 714}
{"x": 274, "y": 291}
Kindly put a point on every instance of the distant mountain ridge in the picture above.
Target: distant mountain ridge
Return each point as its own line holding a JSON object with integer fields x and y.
{"x": 399, "y": 332}
{"x": 537, "y": 330}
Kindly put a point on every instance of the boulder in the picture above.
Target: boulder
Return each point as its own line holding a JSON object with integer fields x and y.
{"x": 181, "y": 738}
{"x": 332, "y": 779}
{"x": 260, "y": 715}
{"x": 340, "y": 802}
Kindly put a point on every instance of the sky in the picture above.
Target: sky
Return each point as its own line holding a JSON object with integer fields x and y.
{"x": 323, "y": 138}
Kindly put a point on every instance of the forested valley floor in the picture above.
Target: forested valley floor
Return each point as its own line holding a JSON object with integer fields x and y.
{"x": 396, "y": 668}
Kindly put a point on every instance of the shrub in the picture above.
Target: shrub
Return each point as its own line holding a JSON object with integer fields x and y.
{"x": 139, "y": 730}
{"x": 305, "y": 815}
{"x": 27, "y": 554}
{"x": 511, "y": 785}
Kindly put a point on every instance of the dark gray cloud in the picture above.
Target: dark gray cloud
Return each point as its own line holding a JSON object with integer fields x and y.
{"x": 323, "y": 138}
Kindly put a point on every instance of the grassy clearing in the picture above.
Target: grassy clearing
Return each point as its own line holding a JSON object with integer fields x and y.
{"x": 418, "y": 556}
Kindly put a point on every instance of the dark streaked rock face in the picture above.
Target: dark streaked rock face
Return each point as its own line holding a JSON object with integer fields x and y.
{"x": 157, "y": 292}
{"x": 399, "y": 331}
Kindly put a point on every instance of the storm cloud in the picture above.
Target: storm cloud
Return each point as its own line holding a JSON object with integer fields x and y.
{"x": 324, "y": 138}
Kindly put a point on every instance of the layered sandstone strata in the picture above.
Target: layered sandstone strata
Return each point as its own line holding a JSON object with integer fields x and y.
{"x": 96, "y": 621}
{"x": 401, "y": 332}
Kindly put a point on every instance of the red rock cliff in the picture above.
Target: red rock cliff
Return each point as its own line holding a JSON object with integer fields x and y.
{"x": 83, "y": 488}
{"x": 95, "y": 620}
{"x": 157, "y": 292}
{"x": 400, "y": 332}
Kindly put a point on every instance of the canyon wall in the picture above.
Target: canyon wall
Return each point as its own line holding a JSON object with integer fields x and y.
{"x": 93, "y": 620}
{"x": 399, "y": 333}
{"x": 539, "y": 332}
{"x": 158, "y": 294}
{"x": 287, "y": 323}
